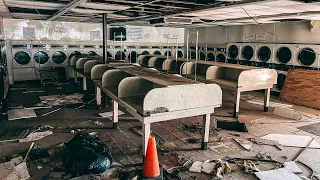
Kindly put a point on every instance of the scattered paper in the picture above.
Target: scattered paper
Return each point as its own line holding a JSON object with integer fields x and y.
{"x": 36, "y": 136}
{"x": 292, "y": 140}
{"x": 244, "y": 143}
{"x": 196, "y": 166}
{"x": 208, "y": 167}
{"x": 109, "y": 114}
{"x": 21, "y": 114}
{"x": 292, "y": 166}
{"x": 282, "y": 173}
{"x": 20, "y": 172}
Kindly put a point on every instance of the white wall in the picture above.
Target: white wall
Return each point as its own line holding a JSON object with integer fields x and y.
{"x": 287, "y": 32}
{"x": 75, "y": 31}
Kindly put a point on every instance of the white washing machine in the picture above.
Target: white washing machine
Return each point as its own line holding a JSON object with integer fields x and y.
{"x": 248, "y": 52}
{"x": 284, "y": 54}
{"x": 234, "y": 51}
{"x": 22, "y": 61}
{"x": 282, "y": 75}
{"x": 211, "y": 54}
{"x": 264, "y": 53}
{"x": 132, "y": 54}
{"x": 307, "y": 55}
{"x": 180, "y": 52}
{"x": 144, "y": 50}
{"x": 156, "y": 50}
{"x": 41, "y": 55}
{"x": 59, "y": 55}
{"x": 221, "y": 55}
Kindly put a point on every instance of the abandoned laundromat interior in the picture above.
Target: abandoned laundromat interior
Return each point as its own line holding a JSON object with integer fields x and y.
{"x": 160, "y": 89}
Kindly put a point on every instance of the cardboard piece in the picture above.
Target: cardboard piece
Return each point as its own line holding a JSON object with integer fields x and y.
{"x": 21, "y": 114}
{"x": 292, "y": 140}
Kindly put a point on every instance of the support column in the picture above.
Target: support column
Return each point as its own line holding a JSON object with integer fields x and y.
{"x": 115, "y": 114}
{"x": 84, "y": 79}
{"x": 105, "y": 38}
{"x": 146, "y": 133}
{"x": 98, "y": 97}
{"x": 236, "y": 104}
{"x": 205, "y": 131}
{"x": 266, "y": 99}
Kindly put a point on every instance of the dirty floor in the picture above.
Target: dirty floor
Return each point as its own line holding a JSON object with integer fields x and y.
{"x": 178, "y": 140}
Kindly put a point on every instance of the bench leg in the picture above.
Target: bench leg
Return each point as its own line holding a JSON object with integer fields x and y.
{"x": 98, "y": 97}
{"x": 75, "y": 76}
{"x": 236, "y": 105}
{"x": 266, "y": 100}
{"x": 106, "y": 100}
{"x": 84, "y": 79}
{"x": 205, "y": 131}
{"x": 115, "y": 114}
{"x": 146, "y": 133}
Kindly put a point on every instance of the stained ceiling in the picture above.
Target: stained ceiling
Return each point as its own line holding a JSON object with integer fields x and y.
{"x": 179, "y": 13}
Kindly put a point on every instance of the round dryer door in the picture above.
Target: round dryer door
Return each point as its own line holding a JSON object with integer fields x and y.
{"x": 193, "y": 55}
{"x": 306, "y": 56}
{"x": 145, "y": 53}
{"x": 157, "y": 53}
{"x": 233, "y": 51}
{"x": 168, "y": 53}
{"x": 280, "y": 81}
{"x": 221, "y": 58}
{"x": 92, "y": 53}
{"x": 264, "y": 53}
{"x": 211, "y": 57}
{"x": 41, "y": 57}
{"x": 180, "y": 54}
{"x": 247, "y": 53}
{"x": 74, "y": 53}
{"x": 59, "y": 57}
{"x": 284, "y": 55}
{"x": 120, "y": 55}
{"x": 133, "y": 56}
{"x": 202, "y": 56}
{"x": 22, "y": 58}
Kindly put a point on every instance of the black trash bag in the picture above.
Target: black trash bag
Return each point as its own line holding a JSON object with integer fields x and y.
{"x": 87, "y": 155}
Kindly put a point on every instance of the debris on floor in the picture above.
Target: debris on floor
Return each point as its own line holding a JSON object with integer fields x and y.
{"x": 109, "y": 114}
{"x": 221, "y": 168}
{"x": 51, "y": 112}
{"x": 57, "y": 100}
{"x": 281, "y": 173}
{"x": 15, "y": 169}
{"x": 21, "y": 114}
{"x": 98, "y": 123}
{"x": 87, "y": 155}
{"x": 292, "y": 140}
{"x": 288, "y": 113}
{"x": 244, "y": 143}
{"x": 32, "y": 134}
{"x": 196, "y": 166}
{"x": 248, "y": 166}
{"x": 261, "y": 141}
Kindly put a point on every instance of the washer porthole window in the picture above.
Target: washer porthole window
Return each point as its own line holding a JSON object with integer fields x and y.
{"x": 120, "y": 55}
{"x": 74, "y": 53}
{"x": 221, "y": 58}
{"x": 59, "y": 57}
{"x": 22, "y": 58}
{"x": 157, "y": 53}
{"x": 145, "y": 53}
{"x": 247, "y": 53}
{"x": 180, "y": 54}
{"x": 168, "y": 53}
{"x": 92, "y": 53}
{"x": 202, "y": 56}
{"x": 307, "y": 56}
{"x": 264, "y": 53}
{"x": 41, "y": 57}
{"x": 233, "y": 51}
{"x": 133, "y": 56}
{"x": 284, "y": 55}
{"x": 211, "y": 57}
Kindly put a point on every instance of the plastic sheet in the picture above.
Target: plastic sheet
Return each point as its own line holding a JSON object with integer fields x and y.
{"x": 87, "y": 155}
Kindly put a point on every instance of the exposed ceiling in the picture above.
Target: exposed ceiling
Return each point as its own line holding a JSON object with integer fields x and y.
{"x": 178, "y": 13}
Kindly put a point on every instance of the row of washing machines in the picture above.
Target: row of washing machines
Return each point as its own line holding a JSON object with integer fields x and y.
{"x": 26, "y": 57}
{"x": 281, "y": 57}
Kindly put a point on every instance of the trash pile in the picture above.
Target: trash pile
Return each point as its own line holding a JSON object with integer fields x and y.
{"x": 83, "y": 155}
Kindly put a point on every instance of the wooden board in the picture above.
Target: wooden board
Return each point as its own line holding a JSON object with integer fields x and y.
{"x": 302, "y": 87}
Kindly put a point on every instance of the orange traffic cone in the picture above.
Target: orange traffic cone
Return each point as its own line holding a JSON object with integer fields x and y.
{"x": 151, "y": 164}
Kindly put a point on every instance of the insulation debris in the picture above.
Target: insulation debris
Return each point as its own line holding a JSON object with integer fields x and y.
{"x": 221, "y": 168}
{"x": 248, "y": 166}
{"x": 109, "y": 114}
{"x": 57, "y": 100}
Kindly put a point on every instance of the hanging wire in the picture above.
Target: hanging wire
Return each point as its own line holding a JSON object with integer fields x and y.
{"x": 270, "y": 32}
